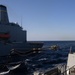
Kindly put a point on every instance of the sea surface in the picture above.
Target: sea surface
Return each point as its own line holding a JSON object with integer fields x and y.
{"x": 46, "y": 58}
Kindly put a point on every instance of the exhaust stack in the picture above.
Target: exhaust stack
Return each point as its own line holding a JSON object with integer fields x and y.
{"x": 3, "y": 15}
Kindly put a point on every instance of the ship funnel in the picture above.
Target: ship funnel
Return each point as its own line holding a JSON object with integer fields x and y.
{"x": 3, "y": 15}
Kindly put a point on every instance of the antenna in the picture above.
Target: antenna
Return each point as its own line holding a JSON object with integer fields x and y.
{"x": 70, "y": 49}
{"x": 21, "y": 21}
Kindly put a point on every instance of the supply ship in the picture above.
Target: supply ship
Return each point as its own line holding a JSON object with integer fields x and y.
{"x": 12, "y": 35}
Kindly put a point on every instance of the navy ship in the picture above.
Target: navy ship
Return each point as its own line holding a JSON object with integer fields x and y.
{"x": 12, "y": 36}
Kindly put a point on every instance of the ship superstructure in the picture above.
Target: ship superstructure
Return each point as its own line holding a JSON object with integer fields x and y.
{"x": 17, "y": 34}
{"x": 12, "y": 35}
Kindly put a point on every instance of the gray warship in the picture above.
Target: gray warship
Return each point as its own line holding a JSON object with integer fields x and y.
{"x": 12, "y": 36}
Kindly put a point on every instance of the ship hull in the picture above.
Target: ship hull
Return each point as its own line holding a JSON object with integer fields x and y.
{"x": 5, "y": 49}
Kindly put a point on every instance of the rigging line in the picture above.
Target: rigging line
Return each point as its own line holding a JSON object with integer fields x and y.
{"x": 21, "y": 21}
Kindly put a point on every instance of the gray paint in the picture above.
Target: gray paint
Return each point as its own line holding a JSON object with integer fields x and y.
{"x": 3, "y": 15}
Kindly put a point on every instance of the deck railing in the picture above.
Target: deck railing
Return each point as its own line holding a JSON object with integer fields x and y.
{"x": 70, "y": 71}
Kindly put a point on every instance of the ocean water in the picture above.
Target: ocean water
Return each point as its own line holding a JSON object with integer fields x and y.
{"x": 45, "y": 58}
